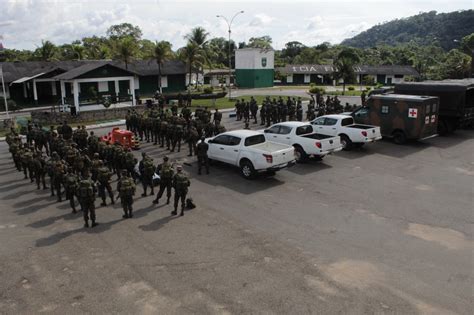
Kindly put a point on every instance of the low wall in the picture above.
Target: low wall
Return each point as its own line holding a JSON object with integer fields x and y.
{"x": 54, "y": 118}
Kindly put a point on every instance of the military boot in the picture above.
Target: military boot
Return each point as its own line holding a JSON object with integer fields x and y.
{"x": 103, "y": 204}
{"x": 174, "y": 212}
{"x": 86, "y": 224}
{"x": 94, "y": 224}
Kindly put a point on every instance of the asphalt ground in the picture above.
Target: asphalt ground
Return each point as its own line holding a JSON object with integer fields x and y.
{"x": 386, "y": 229}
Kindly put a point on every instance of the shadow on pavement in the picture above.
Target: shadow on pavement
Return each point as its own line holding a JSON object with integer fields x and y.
{"x": 312, "y": 166}
{"x": 51, "y": 220}
{"x": 155, "y": 225}
{"x": 56, "y": 238}
{"x": 24, "y": 203}
{"x": 12, "y": 187}
{"x": 228, "y": 176}
{"x": 33, "y": 208}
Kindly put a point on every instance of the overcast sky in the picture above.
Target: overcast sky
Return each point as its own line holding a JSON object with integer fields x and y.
{"x": 23, "y": 23}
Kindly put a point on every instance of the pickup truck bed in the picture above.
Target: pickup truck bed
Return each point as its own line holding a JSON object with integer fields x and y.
{"x": 316, "y": 136}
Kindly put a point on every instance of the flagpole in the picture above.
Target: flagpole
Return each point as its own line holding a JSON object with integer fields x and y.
{"x": 4, "y": 94}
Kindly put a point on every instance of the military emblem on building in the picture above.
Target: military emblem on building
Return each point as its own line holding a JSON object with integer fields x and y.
{"x": 264, "y": 61}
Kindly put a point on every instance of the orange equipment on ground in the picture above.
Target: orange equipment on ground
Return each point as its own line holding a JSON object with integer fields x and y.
{"x": 124, "y": 137}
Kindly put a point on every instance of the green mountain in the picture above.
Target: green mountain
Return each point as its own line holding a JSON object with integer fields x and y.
{"x": 424, "y": 28}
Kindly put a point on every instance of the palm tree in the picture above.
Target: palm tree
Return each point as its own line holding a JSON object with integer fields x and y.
{"x": 199, "y": 37}
{"x": 192, "y": 55}
{"x": 78, "y": 51}
{"x": 162, "y": 52}
{"x": 46, "y": 51}
{"x": 345, "y": 61}
{"x": 125, "y": 49}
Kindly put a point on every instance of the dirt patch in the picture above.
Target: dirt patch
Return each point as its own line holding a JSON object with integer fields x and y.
{"x": 354, "y": 273}
{"x": 320, "y": 285}
{"x": 446, "y": 237}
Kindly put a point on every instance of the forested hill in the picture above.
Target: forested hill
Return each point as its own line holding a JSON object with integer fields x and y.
{"x": 424, "y": 28}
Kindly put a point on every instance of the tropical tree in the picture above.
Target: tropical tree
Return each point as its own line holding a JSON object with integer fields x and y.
{"x": 125, "y": 49}
{"x": 467, "y": 46}
{"x": 456, "y": 66}
{"x": 162, "y": 52}
{"x": 263, "y": 42}
{"x": 124, "y": 30}
{"x": 46, "y": 51}
{"x": 199, "y": 38}
{"x": 96, "y": 48}
{"x": 192, "y": 55}
{"x": 345, "y": 61}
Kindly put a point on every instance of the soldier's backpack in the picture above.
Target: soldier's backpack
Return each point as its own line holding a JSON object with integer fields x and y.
{"x": 85, "y": 189}
{"x": 103, "y": 175}
{"x": 166, "y": 171}
{"x": 182, "y": 182}
{"x": 126, "y": 187}
{"x": 190, "y": 204}
{"x": 148, "y": 167}
{"x": 71, "y": 182}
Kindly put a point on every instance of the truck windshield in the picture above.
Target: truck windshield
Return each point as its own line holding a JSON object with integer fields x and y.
{"x": 253, "y": 140}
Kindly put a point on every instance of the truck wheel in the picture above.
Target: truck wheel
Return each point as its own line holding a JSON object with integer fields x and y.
{"x": 399, "y": 137}
{"x": 247, "y": 170}
{"x": 442, "y": 128}
{"x": 346, "y": 143}
{"x": 300, "y": 155}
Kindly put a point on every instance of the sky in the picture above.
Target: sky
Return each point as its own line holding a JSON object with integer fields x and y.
{"x": 24, "y": 23}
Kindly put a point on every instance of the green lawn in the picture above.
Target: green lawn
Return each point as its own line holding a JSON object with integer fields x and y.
{"x": 347, "y": 93}
{"x": 223, "y": 103}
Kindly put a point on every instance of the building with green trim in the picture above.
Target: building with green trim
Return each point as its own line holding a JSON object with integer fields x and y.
{"x": 54, "y": 83}
{"x": 254, "y": 67}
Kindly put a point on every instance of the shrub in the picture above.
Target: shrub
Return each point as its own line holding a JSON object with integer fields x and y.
{"x": 316, "y": 89}
{"x": 208, "y": 90}
{"x": 368, "y": 88}
{"x": 351, "y": 88}
{"x": 379, "y": 85}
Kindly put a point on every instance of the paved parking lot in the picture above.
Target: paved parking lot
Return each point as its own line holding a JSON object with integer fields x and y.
{"x": 386, "y": 229}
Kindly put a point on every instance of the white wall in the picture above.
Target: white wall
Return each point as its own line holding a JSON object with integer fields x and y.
{"x": 289, "y": 78}
{"x": 7, "y": 91}
{"x": 252, "y": 58}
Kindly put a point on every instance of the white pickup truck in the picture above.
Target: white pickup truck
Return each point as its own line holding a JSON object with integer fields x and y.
{"x": 344, "y": 127}
{"x": 306, "y": 142}
{"x": 250, "y": 151}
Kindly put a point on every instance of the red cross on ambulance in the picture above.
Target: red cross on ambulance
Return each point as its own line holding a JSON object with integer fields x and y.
{"x": 412, "y": 112}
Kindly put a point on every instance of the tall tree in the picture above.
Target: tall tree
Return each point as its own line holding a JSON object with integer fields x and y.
{"x": 467, "y": 46}
{"x": 192, "y": 55}
{"x": 162, "y": 52}
{"x": 264, "y": 42}
{"x": 198, "y": 37}
{"x": 120, "y": 31}
{"x": 125, "y": 49}
{"x": 46, "y": 51}
{"x": 345, "y": 61}
{"x": 291, "y": 50}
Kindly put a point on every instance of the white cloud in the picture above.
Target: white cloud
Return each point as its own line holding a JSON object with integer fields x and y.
{"x": 261, "y": 20}
{"x": 315, "y": 22}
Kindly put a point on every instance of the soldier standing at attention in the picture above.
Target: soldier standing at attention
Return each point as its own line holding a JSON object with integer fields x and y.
{"x": 86, "y": 196}
{"x": 166, "y": 176}
{"x": 103, "y": 177}
{"x": 202, "y": 149}
{"x": 192, "y": 137}
{"x": 180, "y": 183}
{"x": 126, "y": 188}
{"x": 217, "y": 117}
{"x": 71, "y": 182}
{"x": 66, "y": 131}
{"x": 39, "y": 169}
{"x": 58, "y": 174}
{"x": 177, "y": 137}
{"x": 147, "y": 170}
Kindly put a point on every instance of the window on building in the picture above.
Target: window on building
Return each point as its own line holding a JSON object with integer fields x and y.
{"x": 428, "y": 109}
{"x": 103, "y": 86}
{"x": 385, "y": 109}
{"x": 399, "y": 76}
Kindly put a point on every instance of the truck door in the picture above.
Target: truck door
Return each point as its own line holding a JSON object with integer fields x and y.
{"x": 284, "y": 135}
{"x": 330, "y": 127}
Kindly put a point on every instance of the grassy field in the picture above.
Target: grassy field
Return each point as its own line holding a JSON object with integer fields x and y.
{"x": 223, "y": 103}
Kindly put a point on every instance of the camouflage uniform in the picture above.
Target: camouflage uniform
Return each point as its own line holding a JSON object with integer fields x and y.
{"x": 70, "y": 184}
{"x": 39, "y": 169}
{"x": 103, "y": 178}
{"x": 126, "y": 188}
{"x": 180, "y": 184}
{"x": 147, "y": 170}
{"x": 166, "y": 175}
{"x": 86, "y": 195}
